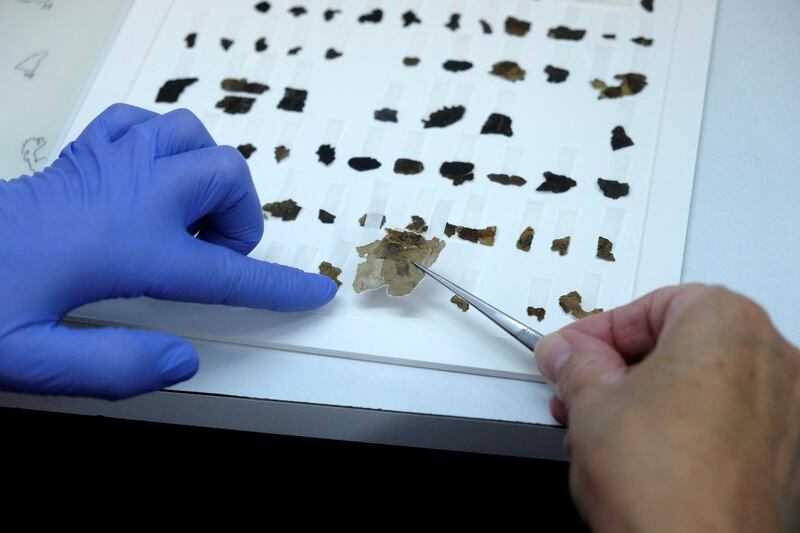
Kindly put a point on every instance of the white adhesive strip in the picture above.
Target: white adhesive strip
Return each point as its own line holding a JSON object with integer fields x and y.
{"x": 439, "y": 94}
{"x": 511, "y": 161}
{"x": 640, "y": 58}
{"x": 514, "y": 50}
{"x": 340, "y": 253}
{"x": 415, "y": 142}
{"x": 618, "y": 166}
{"x": 505, "y": 101}
{"x": 469, "y": 279}
{"x": 522, "y": 10}
{"x": 302, "y": 75}
{"x": 185, "y": 66}
{"x": 590, "y": 290}
{"x": 294, "y": 183}
{"x": 539, "y": 294}
{"x": 601, "y": 60}
{"x": 562, "y": 55}
{"x": 289, "y": 133}
{"x": 612, "y": 224}
{"x": 565, "y": 227}
{"x": 373, "y": 141}
{"x": 423, "y": 207}
{"x": 394, "y": 95}
{"x": 565, "y": 160}
{"x": 274, "y": 252}
{"x": 465, "y": 149}
{"x": 305, "y": 258}
{"x": 441, "y": 214}
{"x": 473, "y": 211}
{"x": 571, "y": 16}
{"x": 532, "y": 215}
{"x": 462, "y": 93}
{"x": 417, "y": 44}
{"x": 333, "y": 198}
{"x": 626, "y": 109}
{"x": 333, "y": 132}
{"x": 211, "y": 122}
{"x": 611, "y": 23}
{"x": 461, "y": 47}
{"x": 378, "y": 201}
{"x": 252, "y": 132}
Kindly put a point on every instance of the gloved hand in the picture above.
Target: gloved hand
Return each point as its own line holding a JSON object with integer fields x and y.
{"x": 115, "y": 216}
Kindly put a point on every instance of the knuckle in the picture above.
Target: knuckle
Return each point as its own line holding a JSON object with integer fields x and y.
{"x": 232, "y": 163}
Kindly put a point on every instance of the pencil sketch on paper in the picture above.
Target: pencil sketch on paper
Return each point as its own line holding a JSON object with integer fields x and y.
{"x": 46, "y": 4}
{"x": 30, "y": 64}
{"x": 31, "y": 149}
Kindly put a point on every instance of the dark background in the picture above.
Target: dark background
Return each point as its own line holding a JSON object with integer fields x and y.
{"x": 117, "y": 451}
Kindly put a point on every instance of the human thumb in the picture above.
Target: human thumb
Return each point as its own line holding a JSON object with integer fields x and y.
{"x": 573, "y": 362}
{"x": 110, "y": 363}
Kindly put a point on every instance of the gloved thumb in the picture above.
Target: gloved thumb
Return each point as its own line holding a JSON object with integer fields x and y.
{"x": 573, "y": 362}
{"x": 111, "y": 363}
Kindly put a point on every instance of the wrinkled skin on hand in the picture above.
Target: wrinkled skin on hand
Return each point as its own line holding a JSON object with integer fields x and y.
{"x": 116, "y": 216}
{"x": 683, "y": 414}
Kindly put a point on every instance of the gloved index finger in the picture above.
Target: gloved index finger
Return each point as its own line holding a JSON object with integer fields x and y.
{"x": 215, "y": 182}
{"x": 175, "y": 132}
{"x": 116, "y": 120}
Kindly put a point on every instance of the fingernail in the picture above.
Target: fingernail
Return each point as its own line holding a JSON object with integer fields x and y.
{"x": 179, "y": 364}
{"x": 551, "y": 354}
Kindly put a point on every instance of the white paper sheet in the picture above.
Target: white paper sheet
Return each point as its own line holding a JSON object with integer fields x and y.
{"x": 561, "y": 128}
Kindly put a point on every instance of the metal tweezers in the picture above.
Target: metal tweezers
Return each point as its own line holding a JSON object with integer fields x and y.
{"x": 527, "y": 336}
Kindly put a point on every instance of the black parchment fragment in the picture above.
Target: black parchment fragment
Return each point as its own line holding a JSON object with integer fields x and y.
{"x": 556, "y": 74}
{"x": 385, "y": 115}
{"x": 505, "y": 179}
{"x": 485, "y": 27}
{"x": 363, "y": 164}
{"x": 243, "y": 86}
{"x": 285, "y": 210}
{"x": 332, "y": 53}
{"x": 374, "y": 16}
{"x": 610, "y": 36}
{"x": 565, "y": 33}
{"x": 409, "y": 18}
{"x": 326, "y": 154}
{"x": 457, "y": 171}
{"x": 330, "y": 13}
{"x": 613, "y": 189}
{"x": 561, "y": 245}
{"x": 172, "y": 89}
{"x": 246, "y": 150}
{"x": 508, "y": 70}
{"x": 629, "y": 84}
{"x": 497, "y": 124}
{"x": 454, "y": 23}
{"x": 325, "y": 217}
{"x": 620, "y": 139}
{"x": 411, "y": 61}
{"x": 236, "y": 105}
{"x": 190, "y": 40}
{"x": 556, "y": 183}
{"x": 262, "y": 7}
{"x": 281, "y": 153}
{"x": 261, "y": 44}
{"x": 408, "y": 167}
{"x": 517, "y": 27}
{"x": 642, "y": 41}
{"x": 445, "y": 117}
{"x": 604, "y": 249}
{"x": 454, "y": 65}
{"x": 298, "y": 11}
{"x": 226, "y": 43}
{"x": 417, "y": 224}
{"x": 293, "y": 100}
{"x": 648, "y": 5}
{"x": 294, "y": 51}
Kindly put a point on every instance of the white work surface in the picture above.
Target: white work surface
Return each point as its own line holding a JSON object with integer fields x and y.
{"x": 741, "y": 234}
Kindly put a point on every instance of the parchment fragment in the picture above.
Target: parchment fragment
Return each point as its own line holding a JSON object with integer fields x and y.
{"x": 538, "y": 312}
{"x": 630, "y": 84}
{"x": 613, "y": 189}
{"x": 363, "y": 221}
{"x": 483, "y": 236}
{"x": 281, "y": 153}
{"x": 460, "y": 302}
{"x": 517, "y": 27}
{"x": 560, "y": 245}
{"x": 571, "y": 304}
{"x": 604, "y": 247}
{"x": 388, "y": 262}
{"x": 285, "y": 210}
{"x": 408, "y": 167}
{"x": 505, "y": 179}
{"x": 417, "y": 224}
{"x": 327, "y": 269}
{"x": 508, "y": 70}
{"x": 526, "y": 239}
{"x": 620, "y": 139}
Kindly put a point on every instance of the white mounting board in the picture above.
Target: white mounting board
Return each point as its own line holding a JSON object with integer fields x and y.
{"x": 557, "y": 127}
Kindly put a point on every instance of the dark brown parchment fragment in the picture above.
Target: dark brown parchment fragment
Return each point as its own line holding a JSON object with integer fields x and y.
{"x": 556, "y": 74}
{"x": 285, "y": 210}
{"x": 613, "y": 189}
{"x": 571, "y": 304}
{"x": 408, "y": 167}
{"x": 517, "y": 27}
{"x": 293, "y": 100}
{"x": 325, "y": 217}
{"x": 454, "y": 23}
{"x": 261, "y": 44}
{"x": 561, "y": 246}
{"x": 620, "y": 139}
{"x": 386, "y": 115}
{"x": 538, "y": 312}
{"x": 642, "y": 41}
{"x": 226, "y": 43}
{"x": 363, "y": 220}
{"x": 409, "y": 18}
{"x": 172, "y": 89}
{"x": 497, "y": 124}
{"x": 262, "y": 7}
{"x": 604, "y": 247}
{"x": 330, "y": 13}
{"x": 556, "y": 183}
{"x": 417, "y": 224}
{"x": 508, "y": 70}
{"x": 610, "y": 36}
{"x": 505, "y": 179}
{"x": 362, "y": 164}
{"x": 483, "y": 236}
{"x": 294, "y": 51}
{"x": 246, "y": 150}
{"x": 454, "y": 65}
{"x": 445, "y": 116}
{"x": 327, "y": 269}
{"x": 565, "y": 33}
{"x": 243, "y": 86}
{"x": 411, "y": 61}
{"x": 297, "y": 11}
{"x": 332, "y": 53}
{"x": 485, "y": 27}
{"x": 281, "y": 153}
{"x": 460, "y": 302}
{"x": 630, "y": 84}
{"x": 648, "y": 5}
{"x": 526, "y": 239}
{"x": 326, "y": 154}
{"x": 374, "y": 16}
{"x": 457, "y": 171}
{"x": 236, "y": 105}
{"x": 388, "y": 262}
{"x": 190, "y": 39}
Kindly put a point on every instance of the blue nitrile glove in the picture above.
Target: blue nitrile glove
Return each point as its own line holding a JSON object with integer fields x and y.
{"x": 115, "y": 216}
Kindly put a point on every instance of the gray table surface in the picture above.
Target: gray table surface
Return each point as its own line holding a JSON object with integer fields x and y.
{"x": 741, "y": 234}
